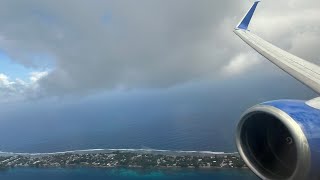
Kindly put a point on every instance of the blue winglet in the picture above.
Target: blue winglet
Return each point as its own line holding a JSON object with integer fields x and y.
{"x": 244, "y": 23}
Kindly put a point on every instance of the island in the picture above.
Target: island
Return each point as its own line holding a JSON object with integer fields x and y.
{"x": 122, "y": 159}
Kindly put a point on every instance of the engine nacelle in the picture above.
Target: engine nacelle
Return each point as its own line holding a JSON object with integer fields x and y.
{"x": 281, "y": 140}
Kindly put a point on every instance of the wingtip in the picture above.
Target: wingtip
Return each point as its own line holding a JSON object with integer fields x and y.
{"x": 245, "y": 21}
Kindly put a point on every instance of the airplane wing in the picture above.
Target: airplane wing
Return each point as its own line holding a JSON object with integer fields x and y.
{"x": 304, "y": 71}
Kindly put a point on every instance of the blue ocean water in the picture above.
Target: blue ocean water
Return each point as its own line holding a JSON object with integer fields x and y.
{"x": 195, "y": 116}
{"x": 125, "y": 174}
{"x": 201, "y": 118}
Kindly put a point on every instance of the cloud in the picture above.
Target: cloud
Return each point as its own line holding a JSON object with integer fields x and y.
{"x": 240, "y": 64}
{"x": 19, "y": 90}
{"x": 150, "y": 44}
{"x": 297, "y": 26}
{"x": 36, "y": 76}
{"x": 4, "y": 81}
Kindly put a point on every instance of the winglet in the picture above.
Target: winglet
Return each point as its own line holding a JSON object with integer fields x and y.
{"x": 244, "y": 23}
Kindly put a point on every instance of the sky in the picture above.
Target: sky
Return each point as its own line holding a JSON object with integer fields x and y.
{"x": 62, "y": 54}
{"x": 85, "y": 47}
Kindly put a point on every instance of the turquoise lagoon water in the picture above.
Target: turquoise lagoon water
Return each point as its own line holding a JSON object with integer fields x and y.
{"x": 125, "y": 174}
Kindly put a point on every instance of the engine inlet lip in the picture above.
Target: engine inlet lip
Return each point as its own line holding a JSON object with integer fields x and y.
{"x": 302, "y": 146}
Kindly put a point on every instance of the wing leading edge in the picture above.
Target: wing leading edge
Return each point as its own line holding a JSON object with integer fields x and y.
{"x": 304, "y": 71}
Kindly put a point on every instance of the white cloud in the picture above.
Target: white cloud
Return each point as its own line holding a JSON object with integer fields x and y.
{"x": 17, "y": 89}
{"x": 36, "y": 76}
{"x": 4, "y": 81}
{"x": 240, "y": 64}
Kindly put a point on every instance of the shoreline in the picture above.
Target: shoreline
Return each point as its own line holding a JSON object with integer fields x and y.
{"x": 131, "y": 168}
{"x": 144, "y": 151}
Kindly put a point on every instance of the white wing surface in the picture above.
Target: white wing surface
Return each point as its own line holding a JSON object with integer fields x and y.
{"x": 304, "y": 71}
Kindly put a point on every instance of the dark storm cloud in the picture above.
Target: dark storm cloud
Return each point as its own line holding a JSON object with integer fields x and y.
{"x": 142, "y": 44}
{"x": 99, "y": 45}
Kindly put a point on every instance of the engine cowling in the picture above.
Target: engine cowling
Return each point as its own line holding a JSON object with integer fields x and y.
{"x": 281, "y": 140}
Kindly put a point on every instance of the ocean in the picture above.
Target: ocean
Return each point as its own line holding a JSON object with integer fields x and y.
{"x": 125, "y": 174}
{"x": 77, "y": 128}
{"x": 190, "y": 120}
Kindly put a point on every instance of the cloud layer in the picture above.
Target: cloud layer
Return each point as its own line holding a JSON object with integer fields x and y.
{"x": 102, "y": 45}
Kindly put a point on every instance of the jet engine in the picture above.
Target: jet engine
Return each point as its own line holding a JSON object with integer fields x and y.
{"x": 280, "y": 140}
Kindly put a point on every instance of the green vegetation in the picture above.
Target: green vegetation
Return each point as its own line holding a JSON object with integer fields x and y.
{"x": 122, "y": 159}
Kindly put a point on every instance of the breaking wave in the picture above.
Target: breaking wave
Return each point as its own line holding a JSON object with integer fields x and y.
{"x": 91, "y": 151}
